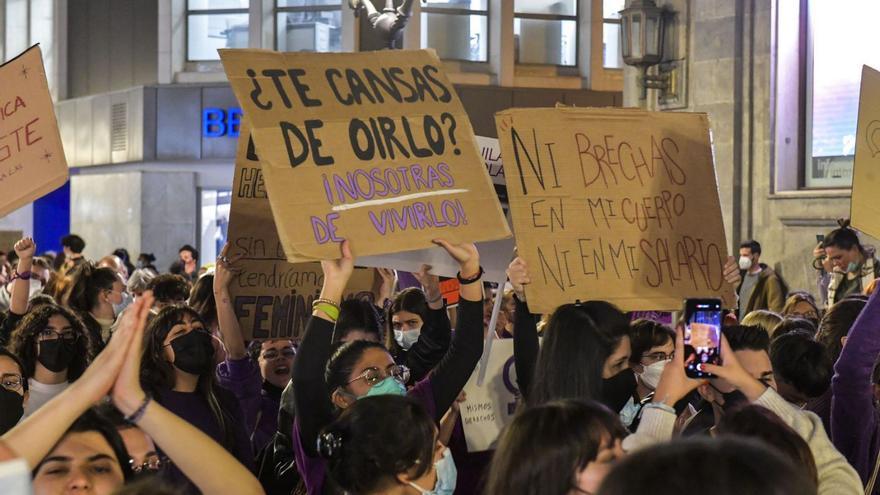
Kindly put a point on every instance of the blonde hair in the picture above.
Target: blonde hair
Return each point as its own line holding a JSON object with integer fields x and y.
{"x": 762, "y": 318}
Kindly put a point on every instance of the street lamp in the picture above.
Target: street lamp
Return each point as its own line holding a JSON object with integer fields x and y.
{"x": 642, "y": 32}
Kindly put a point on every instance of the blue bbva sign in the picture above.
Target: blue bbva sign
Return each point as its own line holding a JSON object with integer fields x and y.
{"x": 219, "y": 122}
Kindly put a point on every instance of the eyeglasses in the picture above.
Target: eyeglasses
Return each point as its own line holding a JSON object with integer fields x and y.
{"x": 287, "y": 352}
{"x": 11, "y": 382}
{"x": 655, "y": 357}
{"x": 153, "y": 462}
{"x": 374, "y": 375}
{"x": 49, "y": 334}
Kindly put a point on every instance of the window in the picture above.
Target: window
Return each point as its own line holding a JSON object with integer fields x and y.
{"x": 308, "y": 25}
{"x": 457, "y": 29}
{"x": 545, "y": 32}
{"x": 215, "y": 24}
{"x": 213, "y": 221}
{"x": 611, "y": 54}
{"x": 834, "y": 68}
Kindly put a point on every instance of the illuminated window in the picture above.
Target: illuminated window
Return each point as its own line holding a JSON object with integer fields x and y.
{"x": 457, "y": 29}
{"x": 834, "y": 68}
{"x": 215, "y": 24}
{"x": 611, "y": 55}
{"x": 545, "y": 32}
{"x": 308, "y": 25}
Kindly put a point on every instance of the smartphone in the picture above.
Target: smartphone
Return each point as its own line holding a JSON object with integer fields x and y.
{"x": 820, "y": 238}
{"x": 702, "y": 335}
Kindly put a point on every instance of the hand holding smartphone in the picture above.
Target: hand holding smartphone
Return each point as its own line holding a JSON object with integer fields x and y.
{"x": 702, "y": 335}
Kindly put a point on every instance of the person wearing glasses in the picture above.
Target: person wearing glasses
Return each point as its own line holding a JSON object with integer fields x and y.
{"x": 256, "y": 379}
{"x": 13, "y": 390}
{"x": 178, "y": 371}
{"x": 93, "y": 295}
{"x": 55, "y": 349}
{"x": 325, "y": 383}
{"x": 652, "y": 347}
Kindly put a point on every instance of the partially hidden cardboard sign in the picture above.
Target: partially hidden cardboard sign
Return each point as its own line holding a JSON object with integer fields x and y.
{"x": 373, "y": 147}
{"x": 272, "y": 298}
{"x": 32, "y": 162}
{"x": 490, "y": 151}
{"x": 490, "y": 405}
{"x": 865, "y": 205}
{"x": 619, "y": 205}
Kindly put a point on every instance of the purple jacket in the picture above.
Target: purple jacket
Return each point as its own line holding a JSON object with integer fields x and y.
{"x": 854, "y": 418}
{"x": 242, "y": 377}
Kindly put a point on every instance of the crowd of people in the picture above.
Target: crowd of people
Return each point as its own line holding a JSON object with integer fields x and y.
{"x": 118, "y": 378}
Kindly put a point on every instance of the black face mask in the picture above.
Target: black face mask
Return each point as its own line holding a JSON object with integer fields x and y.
{"x": 11, "y": 409}
{"x": 193, "y": 352}
{"x": 618, "y": 389}
{"x": 56, "y": 355}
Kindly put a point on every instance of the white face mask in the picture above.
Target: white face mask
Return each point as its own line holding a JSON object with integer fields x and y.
{"x": 651, "y": 375}
{"x": 406, "y": 338}
{"x": 745, "y": 262}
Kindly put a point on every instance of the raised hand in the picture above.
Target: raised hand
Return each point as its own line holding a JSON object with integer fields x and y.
{"x": 674, "y": 384}
{"x": 25, "y": 248}
{"x": 226, "y": 269}
{"x": 518, "y": 276}
{"x": 337, "y": 272}
{"x": 465, "y": 254}
{"x": 733, "y": 372}
{"x": 127, "y": 392}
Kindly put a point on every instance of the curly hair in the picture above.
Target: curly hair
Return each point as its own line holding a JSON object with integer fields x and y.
{"x": 169, "y": 288}
{"x": 23, "y": 342}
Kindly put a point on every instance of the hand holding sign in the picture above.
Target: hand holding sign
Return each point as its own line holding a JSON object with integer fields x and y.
{"x": 337, "y": 272}
{"x": 518, "y": 276}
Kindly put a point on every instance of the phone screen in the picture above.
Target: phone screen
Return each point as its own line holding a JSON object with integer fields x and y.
{"x": 702, "y": 335}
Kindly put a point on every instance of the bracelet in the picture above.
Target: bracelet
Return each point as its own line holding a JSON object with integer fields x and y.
{"x": 139, "y": 413}
{"x": 475, "y": 278}
{"x": 329, "y": 310}
{"x": 23, "y": 275}
{"x": 325, "y": 301}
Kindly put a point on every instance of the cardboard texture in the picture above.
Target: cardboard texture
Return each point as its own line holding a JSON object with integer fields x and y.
{"x": 490, "y": 405}
{"x": 865, "y": 205}
{"x": 272, "y": 298}
{"x": 374, "y": 147}
{"x": 32, "y": 162}
{"x": 614, "y": 204}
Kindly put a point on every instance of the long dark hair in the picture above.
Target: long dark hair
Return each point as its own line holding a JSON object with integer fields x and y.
{"x": 356, "y": 314}
{"x": 157, "y": 374}
{"x": 577, "y": 341}
{"x": 367, "y": 449}
{"x": 201, "y": 298}
{"x": 836, "y": 324}
{"x": 545, "y": 446}
{"x": 843, "y": 238}
{"x": 88, "y": 282}
{"x": 411, "y": 300}
{"x": 342, "y": 362}
{"x": 23, "y": 342}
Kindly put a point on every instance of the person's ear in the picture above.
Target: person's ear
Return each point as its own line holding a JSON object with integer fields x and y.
{"x": 340, "y": 399}
{"x": 843, "y": 341}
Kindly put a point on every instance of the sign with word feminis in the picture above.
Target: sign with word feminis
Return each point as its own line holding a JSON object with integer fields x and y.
{"x": 32, "y": 162}
{"x": 865, "y": 205}
{"x": 373, "y": 147}
{"x": 272, "y": 298}
{"x": 614, "y": 204}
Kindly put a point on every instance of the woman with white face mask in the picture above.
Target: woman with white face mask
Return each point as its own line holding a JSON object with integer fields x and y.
{"x": 419, "y": 332}
{"x": 653, "y": 346}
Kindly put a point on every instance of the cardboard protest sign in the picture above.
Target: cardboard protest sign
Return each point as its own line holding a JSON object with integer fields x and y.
{"x": 272, "y": 298}
{"x": 32, "y": 162}
{"x": 865, "y": 205}
{"x": 490, "y": 406}
{"x": 490, "y": 151}
{"x": 374, "y": 147}
{"x": 613, "y": 204}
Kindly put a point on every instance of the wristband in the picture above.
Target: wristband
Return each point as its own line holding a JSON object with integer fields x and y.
{"x": 23, "y": 275}
{"x": 328, "y": 309}
{"x": 325, "y": 301}
{"x": 475, "y": 278}
{"x": 139, "y": 413}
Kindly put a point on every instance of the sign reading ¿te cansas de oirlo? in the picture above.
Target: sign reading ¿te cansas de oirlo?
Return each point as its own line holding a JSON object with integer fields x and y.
{"x": 865, "y": 203}
{"x": 272, "y": 298}
{"x": 614, "y": 204}
{"x": 374, "y": 147}
{"x": 32, "y": 162}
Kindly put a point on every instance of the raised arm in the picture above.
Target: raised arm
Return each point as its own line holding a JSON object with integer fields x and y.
{"x": 453, "y": 371}
{"x": 436, "y": 334}
{"x": 525, "y": 328}
{"x": 34, "y": 437}
{"x": 224, "y": 273}
{"x": 314, "y": 410}
{"x": 853, "y": 415}
{"x": 207, "y": 464}
{"x": 21, "y": 287}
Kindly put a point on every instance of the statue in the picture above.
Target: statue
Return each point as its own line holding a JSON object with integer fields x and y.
{"x": 390, "y": 22}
